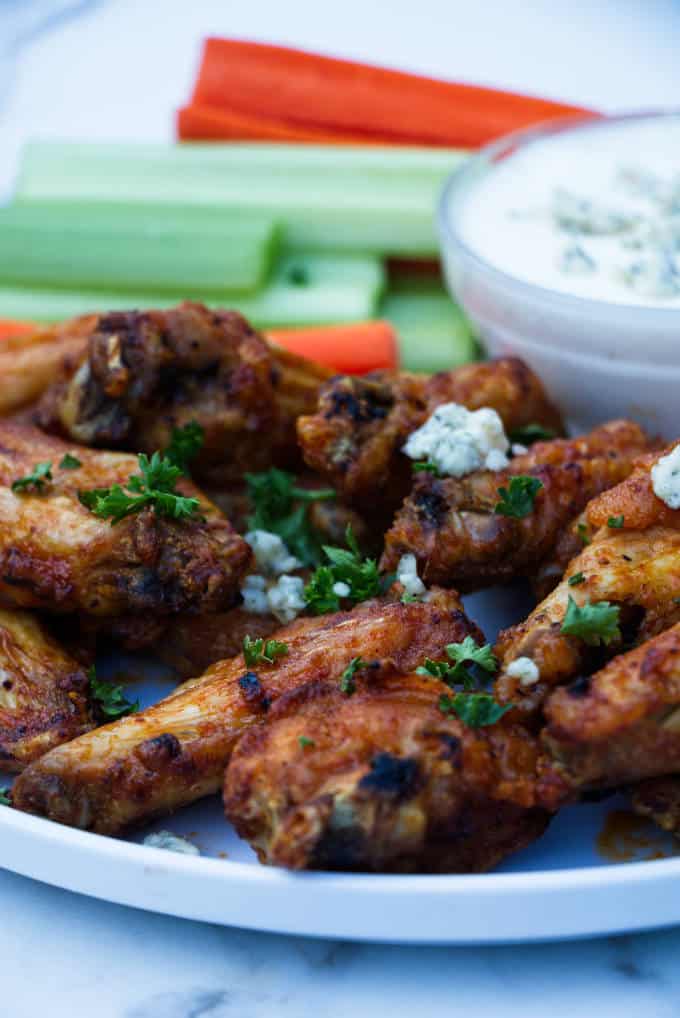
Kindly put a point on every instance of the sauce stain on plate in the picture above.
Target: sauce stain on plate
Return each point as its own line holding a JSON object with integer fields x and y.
{"x": 627, "y": 837}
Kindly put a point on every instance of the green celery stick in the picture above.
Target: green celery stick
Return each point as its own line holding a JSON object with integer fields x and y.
{"x": 377, "y": 200}
{"x": 304, "y": 289}
{"x": 152, "y": 248}
{"x": 433, "y": 332}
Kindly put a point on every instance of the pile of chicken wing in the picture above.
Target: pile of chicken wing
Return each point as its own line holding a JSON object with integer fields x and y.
{"x": 334, "y": 689}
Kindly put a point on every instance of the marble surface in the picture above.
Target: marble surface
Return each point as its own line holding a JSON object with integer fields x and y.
{"x": 117, "y": 70}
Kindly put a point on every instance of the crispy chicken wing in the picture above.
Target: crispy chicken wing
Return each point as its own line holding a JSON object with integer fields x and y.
{"x": 382, "y": 780}
{"x": 451, "y": 526}
{"x": 58, "y": 556}
{"x": 176, "y": 751}
{"x": 356, "y": 435}
{"x": 43, "y": 692}
{"x": 623, "y": 723}
{"x": 145, "y": 373}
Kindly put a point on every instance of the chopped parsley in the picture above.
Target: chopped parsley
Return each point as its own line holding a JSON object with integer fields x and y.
{"x": 582, "y": 531}
{"x": 476, "y": 710}
{"x": 530, "y": 433}
{"x": 465, "y": 659}
{"x": 69, "y": 462}
{"x": 425, "y": 467}
{"x": 346, "y": 566}
{"x": 518, "y": 498}
{"x": 593, "y": 623}
{"x": 5, "y": 799}
{"x": 576, "y": 579}
{"x": 37, "y": 479}
{"x": 255, "y": 651}
{"x": 281, "y": 507}
{"x": 108, "y": 700}
{"x": 306, "y": 743}
{"x": 410, "y": 599}
{"x": 348, "y": 683}
{"x": 185, "y": 444}
{"x": 154, "y": 486}
{"x": 615, "y": 522}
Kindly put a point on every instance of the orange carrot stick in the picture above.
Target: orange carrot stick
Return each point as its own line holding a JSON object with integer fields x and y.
{"x": 323, "y": 92}
{"x": 211, "y": 123}
{"x": 9, "y": 328}
{"x": 350, "y": 349}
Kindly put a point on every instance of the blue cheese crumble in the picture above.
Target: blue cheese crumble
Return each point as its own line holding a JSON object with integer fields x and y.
{"x": 459, "y": 441}
{"x": 271, "y": 554}
{"x": 407, "y": 575}
{"x": 171, "y": 842}
{"x": 525, "y": 670}
{"x": 666, "y": 478}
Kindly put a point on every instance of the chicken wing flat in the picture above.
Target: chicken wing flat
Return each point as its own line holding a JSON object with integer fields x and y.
{"x": 30, "y": 363}
{"x": 58, "y": 556}
{"x": 458, "y": 538}
{"x": 176, "y": 752}
{"x": 43, "y": 692}
{"x": 356, "y": 436}
{"x": 623, "y": 723}
{"x": 382, "y": 780}
{"x": 145, "y": 373}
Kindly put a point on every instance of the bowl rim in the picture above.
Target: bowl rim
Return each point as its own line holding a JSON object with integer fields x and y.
{"x": 507, "y": 146}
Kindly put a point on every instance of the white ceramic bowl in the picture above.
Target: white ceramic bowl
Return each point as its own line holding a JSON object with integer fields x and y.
{"x": 599, "y": 359}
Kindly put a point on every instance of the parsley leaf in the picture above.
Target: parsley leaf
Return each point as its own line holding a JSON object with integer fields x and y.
{"x": 424, "y": 466}
{"x": 38, "y": 478}
{"x": 306, "y": 743}
{"x": 530, "y": 433}
{"x": 463, "y": 655}
{"x": 346, "y": 566}
{"x": 615, "y": 522}
{"x": 518, "y": 498}
{"x": 281, "y": 507}
{"x": 153, "y": 486}
{"x": 476, "y": 710}
{"x": 255, "y": 651}
{"x": 347, "y": 681}
{"x": 576, "y": 579}
{"x": 593, "y": 623}
{"x": 5, "y": 799}
{"x": 409, "y": 599}
{"x": 582, "y": 531}
{"x": 69, "y": 462}
{"x": 185, "y": 444}
{"x": 108, "y": 700}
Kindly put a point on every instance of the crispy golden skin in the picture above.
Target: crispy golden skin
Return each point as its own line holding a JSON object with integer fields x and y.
{"x": 145, "y": 373}
{"x": 356, "y": 435}
{"x": 451, "y": 527}
{"x": 637, "y": 570}
{"x": 659, "y": 799}
{"x": 623, "y": 723}
{"x": 383, "y": 781}
{"x": 30, "y": 363}
{"x": 43, "y": 692}
{"x": 58, "y": 556}
{"x": 175, "y": 752}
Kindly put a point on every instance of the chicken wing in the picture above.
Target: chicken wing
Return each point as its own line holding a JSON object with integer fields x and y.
{"x": 58, "y": 556}
{"x": 43, "y": 692}
{"x": 145, "y": 373}
{"x": 175, "y": 752}
{"x": 30, "y": 363}
{"x": 382, "y": 780}
{"x": 623, "y": 723}
{"x": 356, "y": 436}
{"x": 452, "y": 527}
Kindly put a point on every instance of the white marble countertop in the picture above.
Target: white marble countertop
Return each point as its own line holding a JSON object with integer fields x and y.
{"x": 118, "y": 69}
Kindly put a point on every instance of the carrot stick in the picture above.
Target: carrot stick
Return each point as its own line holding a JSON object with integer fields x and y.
{"x": 350, "y": 349}
{"x": 340, "y": 95}
{"x": 9, "y": 328}
{"x": 212, "y": 123}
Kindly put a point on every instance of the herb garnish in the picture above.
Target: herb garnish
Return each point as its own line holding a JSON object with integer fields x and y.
{"x": 476, "y": 710}
{"x": 108, "y": 700}
{"x": 615, "y": 522}
{"x": 576, "y": 579}
{"x": 530, "y": 433}
{"x": 38, "y": 478}
{"x": 153, "y": 486}
{"x": 347, "y": 681}
{"x": 306, "y": 743}
{"x": 582, "y": 531}
{"x": 346, "y": 566}
{"x": 425, "y": 467}
{"x": 255, "y": 651}
{"x": 518, "y": 498}
{"x": 281, "y": 507}
{"x": 5, "y": 799}
{"x": 69, "y": 462}
{"x": 462, "y": 655}
{"x": 593, "y": 623}
{"x": 185, "y": 444}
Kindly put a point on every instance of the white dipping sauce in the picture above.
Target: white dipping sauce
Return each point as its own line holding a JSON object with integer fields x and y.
{"x": 592, "y": 212}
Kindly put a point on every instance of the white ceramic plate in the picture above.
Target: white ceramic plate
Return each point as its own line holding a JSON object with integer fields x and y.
{"x": 559, "y": 887}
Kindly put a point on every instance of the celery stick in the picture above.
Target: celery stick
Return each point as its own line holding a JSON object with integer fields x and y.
{"x": 433, "y": 333}
{"x": 371, "y": 200}
{"x": 303, "y": 290}
{"x": 81, "y": 245}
